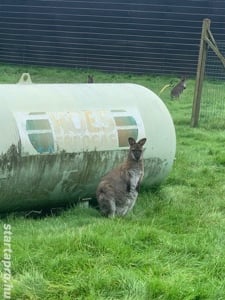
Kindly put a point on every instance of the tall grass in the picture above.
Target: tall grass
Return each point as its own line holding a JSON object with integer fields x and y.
{"x": 171, "y": 247}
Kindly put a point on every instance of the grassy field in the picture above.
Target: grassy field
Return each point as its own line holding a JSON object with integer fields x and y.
{"x": 170, "y": 248}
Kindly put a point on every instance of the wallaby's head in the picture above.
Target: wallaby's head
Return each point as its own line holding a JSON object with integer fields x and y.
{"x": 90, "y": 79}
{"x": 136, "y": 149}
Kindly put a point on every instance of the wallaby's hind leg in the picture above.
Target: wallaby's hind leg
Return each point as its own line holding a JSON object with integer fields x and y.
{"x": 128, "y": 204}
{"x": 107, "y": 206}
{"x": 133, "y": 201}
{"x": 122, "y": 211}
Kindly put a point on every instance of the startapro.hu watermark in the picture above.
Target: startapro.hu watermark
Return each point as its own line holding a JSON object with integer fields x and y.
{"x": 7, "y": 258}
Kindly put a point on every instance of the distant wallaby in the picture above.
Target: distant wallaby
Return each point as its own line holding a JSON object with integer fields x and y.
{"x": 118, "y": 190}
{"x": 90, "y": 79}
{"x": 179, "y": 88}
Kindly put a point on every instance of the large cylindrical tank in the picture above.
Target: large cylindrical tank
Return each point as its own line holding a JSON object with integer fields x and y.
{"x": 57, "y": 140}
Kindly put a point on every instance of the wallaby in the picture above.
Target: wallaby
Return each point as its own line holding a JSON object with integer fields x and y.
{"x": 118, "y": 190}
{"x": 179, "y": 88}
{"x": 90, "y": 79}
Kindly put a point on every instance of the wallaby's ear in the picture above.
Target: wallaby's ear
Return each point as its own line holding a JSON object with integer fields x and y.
{"x": 131, "y": 141}
{"x": 142, "y": 141}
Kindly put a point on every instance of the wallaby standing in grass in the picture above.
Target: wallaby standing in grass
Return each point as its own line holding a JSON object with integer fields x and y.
{"x": 179, "y": 88}
{"x": 118, "y": 190}
{"x": 90, "y": 79}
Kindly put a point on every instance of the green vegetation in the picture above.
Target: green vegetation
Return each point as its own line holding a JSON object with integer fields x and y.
{"x": 170, "y": 248}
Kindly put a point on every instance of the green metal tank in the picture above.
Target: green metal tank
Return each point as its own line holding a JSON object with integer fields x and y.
{"x": 58, "y": 140}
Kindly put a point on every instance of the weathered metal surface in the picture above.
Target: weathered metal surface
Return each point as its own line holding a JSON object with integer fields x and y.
{"x": 58, "y": 140}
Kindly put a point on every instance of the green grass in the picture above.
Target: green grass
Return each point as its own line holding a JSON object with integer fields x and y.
{"x": 170, "y": 248}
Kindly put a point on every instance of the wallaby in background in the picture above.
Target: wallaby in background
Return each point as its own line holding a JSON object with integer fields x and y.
{"x": 118, "y": 190}
{"x": 179, "y": 88}
{"x": 90, "y": 79}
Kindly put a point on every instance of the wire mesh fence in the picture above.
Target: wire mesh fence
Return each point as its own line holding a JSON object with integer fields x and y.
{"x": 159, "y": 37}
{"x": 212, "y": 113}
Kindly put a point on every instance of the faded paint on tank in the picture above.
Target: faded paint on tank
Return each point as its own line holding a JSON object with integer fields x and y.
{"x": 51, "y": 132}
{"x": 52, "y": 157}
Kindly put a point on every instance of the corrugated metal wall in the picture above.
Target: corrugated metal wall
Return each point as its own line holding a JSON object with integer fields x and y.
{"x": 145, "y": 36}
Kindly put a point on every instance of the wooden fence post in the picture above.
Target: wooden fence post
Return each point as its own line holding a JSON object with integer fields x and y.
{"x": 200, "y": 73}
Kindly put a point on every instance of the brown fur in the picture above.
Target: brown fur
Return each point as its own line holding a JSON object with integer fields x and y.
{"x": 179, "y": 88}
{"x": 118, "y": 190}
{"x": 90, "y": 79}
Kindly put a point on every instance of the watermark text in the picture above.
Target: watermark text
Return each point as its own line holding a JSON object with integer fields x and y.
{"x": 7, "y": 258}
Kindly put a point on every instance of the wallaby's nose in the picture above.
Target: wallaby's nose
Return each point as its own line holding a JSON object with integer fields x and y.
{"x": 137, "y": 154}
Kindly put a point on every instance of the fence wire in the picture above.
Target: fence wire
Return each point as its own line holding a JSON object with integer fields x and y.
{"x": 212, "y": 113}
{"x": 160, "y": 37}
